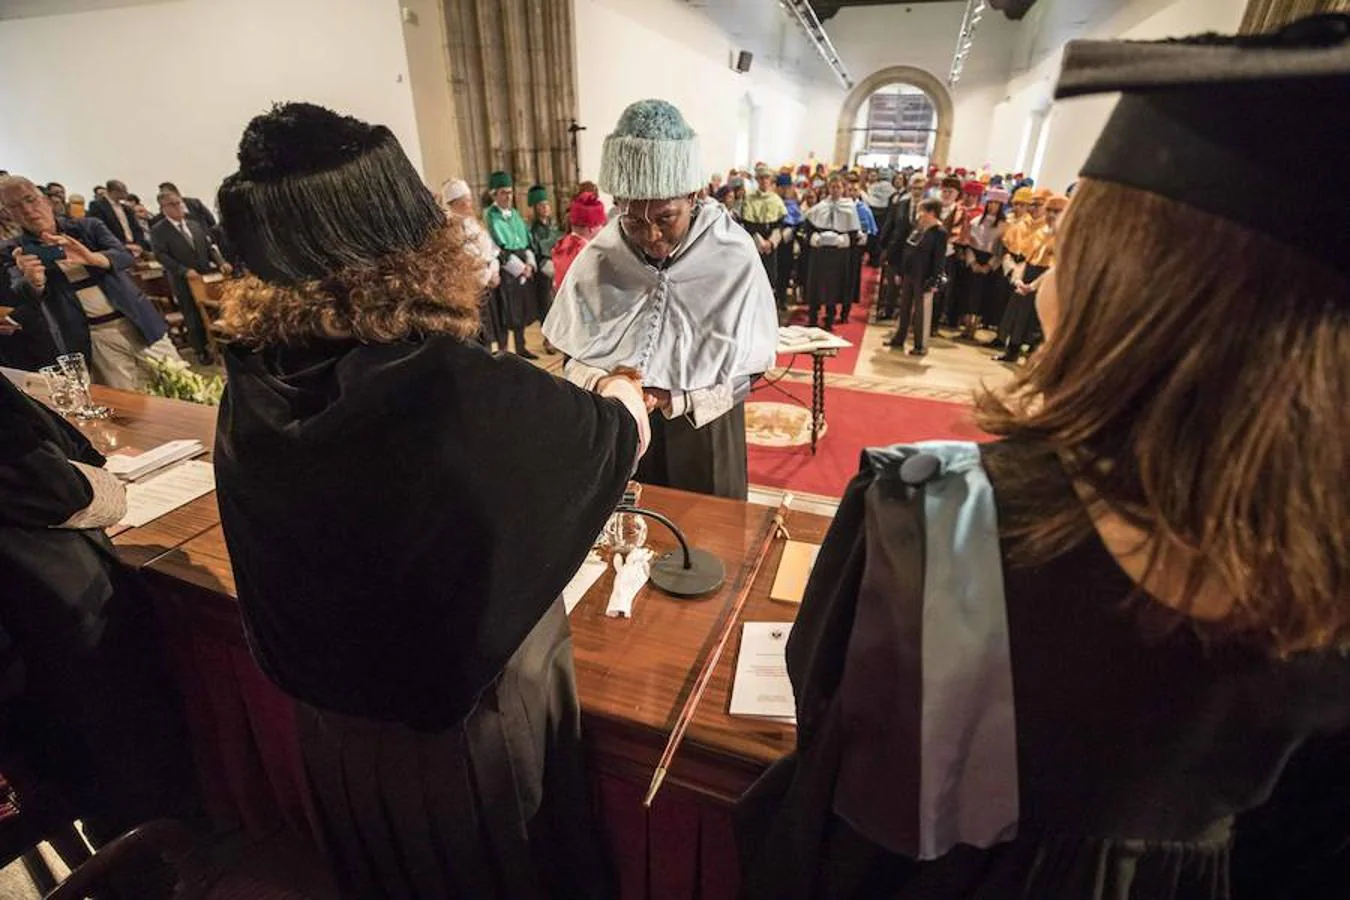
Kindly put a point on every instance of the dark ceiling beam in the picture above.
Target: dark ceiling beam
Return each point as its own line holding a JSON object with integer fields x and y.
{"x": 827, "y": 9}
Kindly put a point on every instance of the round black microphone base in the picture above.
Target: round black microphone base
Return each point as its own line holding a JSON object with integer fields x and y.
{"x": 704, "y": 575}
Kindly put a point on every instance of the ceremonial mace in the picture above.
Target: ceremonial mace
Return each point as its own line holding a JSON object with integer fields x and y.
{"x": 775, "y": 528}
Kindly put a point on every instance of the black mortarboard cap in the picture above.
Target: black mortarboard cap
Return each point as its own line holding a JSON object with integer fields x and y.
{"x": 1219, "y": 123}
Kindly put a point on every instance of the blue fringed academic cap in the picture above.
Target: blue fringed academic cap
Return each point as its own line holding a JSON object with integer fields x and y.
{"x": 652, "y": 154}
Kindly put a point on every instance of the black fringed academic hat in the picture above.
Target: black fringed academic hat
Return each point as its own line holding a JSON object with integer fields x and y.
{"x": 1218, "y": 122}
{"x": 318, "y": 192}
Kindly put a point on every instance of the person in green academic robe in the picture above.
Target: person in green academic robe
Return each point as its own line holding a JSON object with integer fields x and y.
{"x": 515, "y": 295}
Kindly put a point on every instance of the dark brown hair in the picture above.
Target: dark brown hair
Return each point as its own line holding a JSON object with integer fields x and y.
{"x": 433, "y": 289}
{"x": 1197, "y": 385}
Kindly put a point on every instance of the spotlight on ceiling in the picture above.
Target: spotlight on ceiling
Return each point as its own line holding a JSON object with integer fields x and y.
{"x": 805, "y": 16}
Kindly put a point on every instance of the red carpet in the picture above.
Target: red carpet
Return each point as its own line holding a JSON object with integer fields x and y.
{"x": 855, "y": 420}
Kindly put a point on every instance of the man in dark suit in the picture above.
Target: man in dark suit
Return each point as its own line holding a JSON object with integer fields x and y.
{"x": 111, "y": 210}
{"x": 900, "y": 221}
{"x": 71, "y": 292}
{"x": 183, "y": 246}
{"x": 922, "y": 261}
{"x": 197, "y": 211}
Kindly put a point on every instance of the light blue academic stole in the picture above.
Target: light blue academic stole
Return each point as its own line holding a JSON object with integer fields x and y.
{"x": 929, "y": 742}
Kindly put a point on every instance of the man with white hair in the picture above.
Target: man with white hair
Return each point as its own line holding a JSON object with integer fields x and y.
{"x": 458, "y": 202}
{"x": 72, "y": 293}
{"x": 675, "y": 289}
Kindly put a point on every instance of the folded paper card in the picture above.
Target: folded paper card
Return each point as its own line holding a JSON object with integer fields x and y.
{"x": 134, "y": 468}
{"x": 762, "y": 688}
{"x": 794, "y": 570}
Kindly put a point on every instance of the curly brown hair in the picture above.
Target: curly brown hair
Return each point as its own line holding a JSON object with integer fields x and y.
{"x": 1196, "y": 383}
{"x": 434, "y": 289}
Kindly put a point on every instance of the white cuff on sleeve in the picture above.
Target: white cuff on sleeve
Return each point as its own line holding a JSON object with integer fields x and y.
{"x": 109, "y": 505}
{"x": 583, "y": 376}
{"x": 630, "y": 395}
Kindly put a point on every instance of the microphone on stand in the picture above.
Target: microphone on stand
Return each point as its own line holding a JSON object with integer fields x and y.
{"x": 690, "y": 573}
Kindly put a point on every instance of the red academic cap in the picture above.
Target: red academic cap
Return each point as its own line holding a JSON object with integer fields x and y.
{"x": 586, "y": 211}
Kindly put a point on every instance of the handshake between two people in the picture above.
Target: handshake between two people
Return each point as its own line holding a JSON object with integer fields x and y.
{"x": 624, "y": 383}
{"x": 653, "y": 398}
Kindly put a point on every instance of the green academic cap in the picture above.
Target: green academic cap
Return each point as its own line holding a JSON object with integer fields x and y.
{"x": 538, "y": 194}
{"x": 499, "y": 180}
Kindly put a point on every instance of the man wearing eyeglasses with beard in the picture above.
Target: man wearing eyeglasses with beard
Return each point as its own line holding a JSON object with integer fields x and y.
{"x": 675, "y": 289}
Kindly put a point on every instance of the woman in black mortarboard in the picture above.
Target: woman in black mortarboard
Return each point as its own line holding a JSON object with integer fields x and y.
{"x": 402, "y": 511}
{"x": 1107, "y": 657}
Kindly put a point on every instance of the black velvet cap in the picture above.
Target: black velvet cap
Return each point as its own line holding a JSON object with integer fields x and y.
{"x": 1254, "y": 129}
{"x": 318, "y": 192}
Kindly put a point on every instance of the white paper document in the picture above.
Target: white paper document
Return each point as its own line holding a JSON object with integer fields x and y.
{"x": 589, "y": 573}
{"x": 802, "y": 339}
{"x": 762, "y": 688}
{"x": 134, "y": 468}
{"x": 148, "y": 500}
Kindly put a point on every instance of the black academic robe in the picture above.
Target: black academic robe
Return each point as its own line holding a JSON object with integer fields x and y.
{"x": 402, "y": 520}
{"x": 401, "y": 515}
{"x": 94, "y": 712}
{"x": 1181, "y": 769}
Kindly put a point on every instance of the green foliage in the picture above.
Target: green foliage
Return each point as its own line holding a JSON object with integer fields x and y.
{"x": 174, "y": 379}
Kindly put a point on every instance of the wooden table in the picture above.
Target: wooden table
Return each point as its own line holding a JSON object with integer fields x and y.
{"x": 633, "y": 676}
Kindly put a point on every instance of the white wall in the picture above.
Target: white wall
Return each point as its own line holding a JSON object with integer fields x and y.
{"x": 162, "y": 92}
{"x": 1073, "y": 125}
{"x": 870, "y": 38}
{"x": 630, "y": 50}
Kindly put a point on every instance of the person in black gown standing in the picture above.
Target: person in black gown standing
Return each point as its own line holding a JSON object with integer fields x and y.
{"x": 403, "y": 510}
{"x": 1105, "y": 657}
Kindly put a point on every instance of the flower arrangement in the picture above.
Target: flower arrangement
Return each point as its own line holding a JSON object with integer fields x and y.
{"x": 174, "y": 379}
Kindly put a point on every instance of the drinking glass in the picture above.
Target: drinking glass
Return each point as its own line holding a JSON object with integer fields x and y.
{"x": 77, "y": 370}
{"x": 627, "y": 532}
{"x": 63, "y": 393}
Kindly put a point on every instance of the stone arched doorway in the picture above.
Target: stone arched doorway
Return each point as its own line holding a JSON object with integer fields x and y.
{"x": 924, "y": 81}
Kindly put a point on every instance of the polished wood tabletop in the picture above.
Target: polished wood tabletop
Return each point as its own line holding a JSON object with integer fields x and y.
{"x": 139, "y": 423}
{"x": 633, "y": 675}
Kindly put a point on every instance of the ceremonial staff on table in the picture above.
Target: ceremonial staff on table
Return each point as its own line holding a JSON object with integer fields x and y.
{"x": 775, "y": 528}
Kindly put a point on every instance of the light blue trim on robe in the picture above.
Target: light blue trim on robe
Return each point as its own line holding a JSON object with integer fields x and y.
{"x": 968, "y": 792}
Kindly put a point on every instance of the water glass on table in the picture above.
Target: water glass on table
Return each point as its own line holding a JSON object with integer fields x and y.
{"x": 627, "y": 532}
{"x": 77, "y": 370}
{"x": 63, "y": 393}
